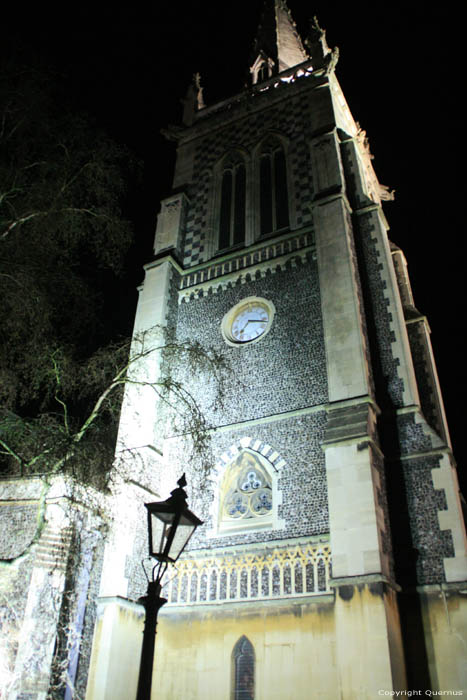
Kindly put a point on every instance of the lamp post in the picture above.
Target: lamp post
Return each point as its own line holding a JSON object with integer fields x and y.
{"x": 170, "y": 526}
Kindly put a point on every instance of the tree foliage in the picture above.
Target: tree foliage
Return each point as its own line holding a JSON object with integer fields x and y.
{"x": 63, "y": 241}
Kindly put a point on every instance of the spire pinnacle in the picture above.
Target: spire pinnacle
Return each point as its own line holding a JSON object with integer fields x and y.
{"x": 277, "y": 45}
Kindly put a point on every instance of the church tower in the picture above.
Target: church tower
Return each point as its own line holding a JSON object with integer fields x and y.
{"x": 332, "y": 559}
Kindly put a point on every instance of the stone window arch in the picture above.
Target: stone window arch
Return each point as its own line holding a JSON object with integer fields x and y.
{"x": 247, "y": 495}
{"x": 232, "y": 201}
{"x": 273, "y": 187}
{"x": 243, "y": 667}
{"x": 273, "y": 199}
{"x": 246, "y": 491}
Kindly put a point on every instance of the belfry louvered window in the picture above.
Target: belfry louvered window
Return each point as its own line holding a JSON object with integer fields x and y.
{"x": 274, "y": 201}
{"x": 232, "y": 205}
{"x": 244, "y": 670}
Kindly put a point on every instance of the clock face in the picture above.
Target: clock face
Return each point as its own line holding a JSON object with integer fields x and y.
{"x": 247, "y": 321}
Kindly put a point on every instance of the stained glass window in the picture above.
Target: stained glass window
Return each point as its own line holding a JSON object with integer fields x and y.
{"x": 244, "y": 670}
{"x": 246, "y": 489}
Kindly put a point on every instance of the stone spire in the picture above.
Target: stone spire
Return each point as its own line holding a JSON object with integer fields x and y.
{"x": 277, "y": 45}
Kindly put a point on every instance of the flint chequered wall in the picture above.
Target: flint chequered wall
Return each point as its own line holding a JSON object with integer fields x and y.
{"x": 288, "y": 117}
{"x": 302, "y": 481}
{"x": 285, "y": 370}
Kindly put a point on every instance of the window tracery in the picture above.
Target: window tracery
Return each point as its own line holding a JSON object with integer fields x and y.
{"x": 250, "y": 196}
{"x": 244, "y": 670}
{"x": 247, "y": 492}
{"x": 274, "y": 197}
{"x": 232, "y": 202}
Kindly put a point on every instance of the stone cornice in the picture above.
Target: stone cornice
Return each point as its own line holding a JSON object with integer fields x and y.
{"x": 122, "y": 602}
{"x": 364, "y": 580}
{"x": 352, "y": 424}
{"x": 418, "y": 319}
{"x": 259, "y": 260}
{"x": 235, "y": 253}
{"x": 164, "y": 258}
{"x": 257, "y": 547}
{"x": 440, "y": 588}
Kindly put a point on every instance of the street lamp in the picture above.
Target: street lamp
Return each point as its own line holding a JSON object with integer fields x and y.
{"x": 170, "y": 526}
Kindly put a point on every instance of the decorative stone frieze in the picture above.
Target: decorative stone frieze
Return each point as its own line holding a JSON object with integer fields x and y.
{"x": 297, "y": 570}
{"x": 252, "y": 265}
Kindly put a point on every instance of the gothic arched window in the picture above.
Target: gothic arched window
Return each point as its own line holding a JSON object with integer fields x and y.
{"x": 246, "y": 493}
{"x": 243, "y": 658}
{"x": 274, "y": 198}
{"x": 232, "y": 202}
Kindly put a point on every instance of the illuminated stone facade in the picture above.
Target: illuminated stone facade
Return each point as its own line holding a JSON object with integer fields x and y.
{"x": 332, "y": 558}
{"x": 332, "y": 523}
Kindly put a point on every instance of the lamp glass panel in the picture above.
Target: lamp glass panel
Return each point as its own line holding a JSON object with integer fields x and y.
{"x": 160, "y": 530}
{"x": 161, "y": 526}
{"x": 184, "y": 531}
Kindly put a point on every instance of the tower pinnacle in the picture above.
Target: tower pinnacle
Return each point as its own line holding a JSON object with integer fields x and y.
{"x": 277, "y": 45}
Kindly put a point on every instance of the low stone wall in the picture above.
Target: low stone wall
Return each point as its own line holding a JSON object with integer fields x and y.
{"x": 47, "y": 543}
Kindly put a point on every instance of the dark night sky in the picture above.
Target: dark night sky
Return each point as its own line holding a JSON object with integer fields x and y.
{"x": 400, "y": 69}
